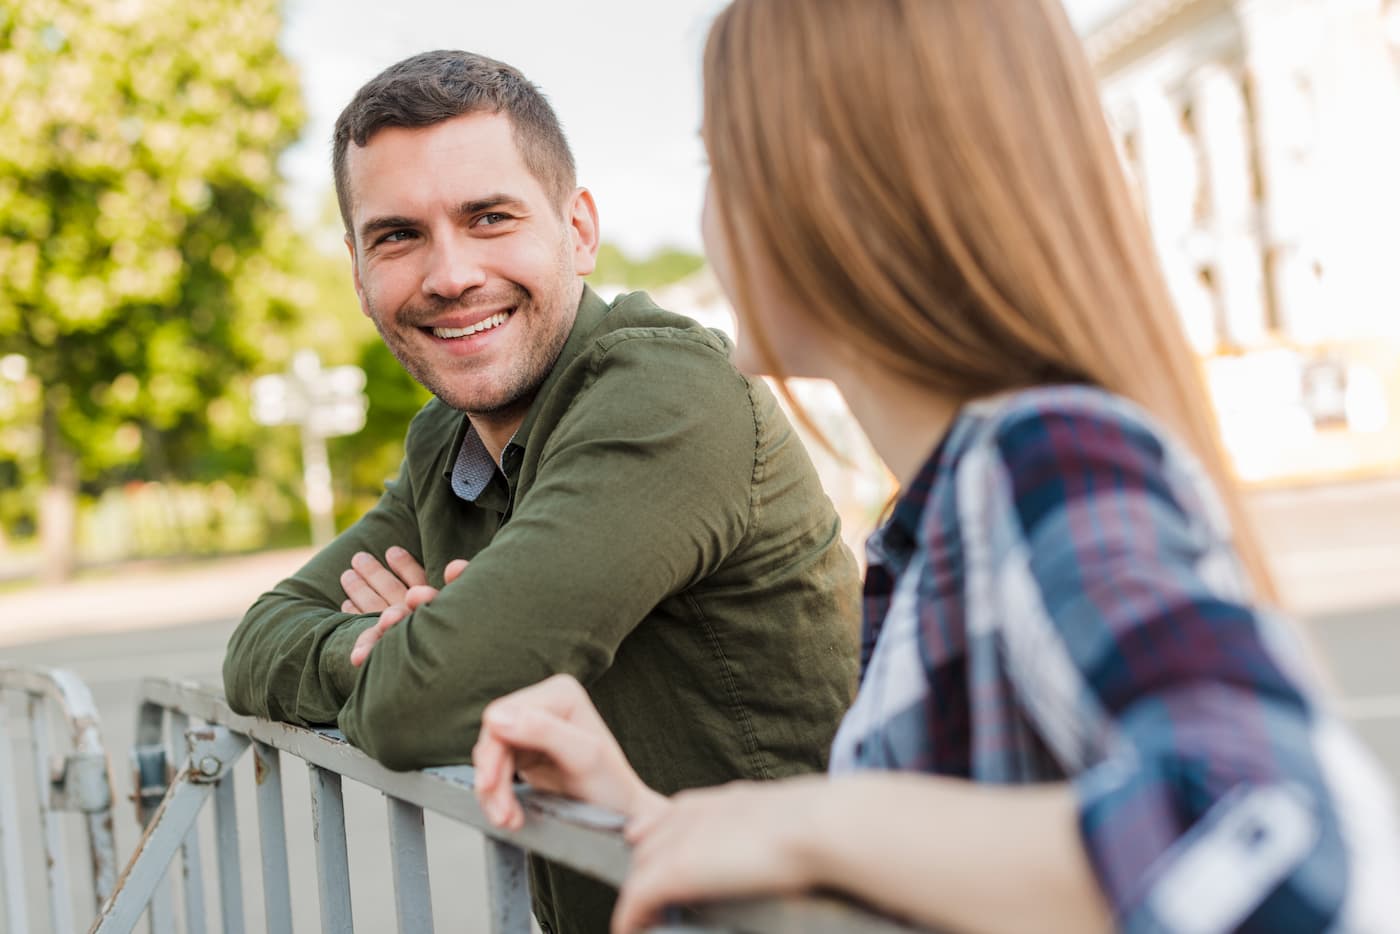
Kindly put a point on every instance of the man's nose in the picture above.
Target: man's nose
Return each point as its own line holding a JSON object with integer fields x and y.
{"x": 454, "y": 267}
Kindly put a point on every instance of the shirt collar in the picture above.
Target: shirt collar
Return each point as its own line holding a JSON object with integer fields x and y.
{"x": 474, "y": 467}
{"x": 899, "y": 534}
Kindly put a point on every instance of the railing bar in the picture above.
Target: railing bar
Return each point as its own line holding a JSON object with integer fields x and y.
{"x": 162, "y": 914}
{"x": 226, "y": 838}
{"x": 191, "y": 861}
{"x": 272, "y": 837}
{"x": 60, "y": 910}
{"x": 579, "y": 836}
{"x": 154, "y": 853}
{"x": 408, "y": 844}
{"x": 332, "y": 860}
{"x": 12, "y": 878}
{"x": 507, "y": 888}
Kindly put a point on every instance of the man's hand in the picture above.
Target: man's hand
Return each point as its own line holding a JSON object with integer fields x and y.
{"x": 414, "y": 596}
{"x": 370, "y": 587}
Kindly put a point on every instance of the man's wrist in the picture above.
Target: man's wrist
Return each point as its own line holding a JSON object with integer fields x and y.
{"x": 335, "y": 654}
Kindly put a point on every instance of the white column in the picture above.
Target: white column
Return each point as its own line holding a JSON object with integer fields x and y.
{"x": 1275, "y": 40}
{"x": 1221, "y": 120}
{"x": 1328, "y": 130}
{"x": 1170, "y": 180}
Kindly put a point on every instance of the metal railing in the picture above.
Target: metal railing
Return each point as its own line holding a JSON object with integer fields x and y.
{"x": 77, "y": 781}
{"x": 582, "y": 837}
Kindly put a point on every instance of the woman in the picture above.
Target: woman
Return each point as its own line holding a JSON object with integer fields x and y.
{"x": 1074, "y": 712}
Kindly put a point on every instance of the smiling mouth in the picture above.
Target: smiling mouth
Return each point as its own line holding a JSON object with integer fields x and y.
{"x": 486, "y": 324}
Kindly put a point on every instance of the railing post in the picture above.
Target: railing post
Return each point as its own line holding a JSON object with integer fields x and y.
{"x": 332, "y": 861}
{"x": 11, "y": 861}
{"x": 272, "y": 838}
{"x": 191, "y": 868}
{"x": 408, "y": 847}
{"x": 226, "y": 837}
{"x": 60, "y": 908}
{"x": 507, "y": 887}
{"x": 151, "y": 773}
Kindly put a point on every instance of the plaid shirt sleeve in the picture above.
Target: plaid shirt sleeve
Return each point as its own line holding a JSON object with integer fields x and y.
{"x": 1215, "y": 793}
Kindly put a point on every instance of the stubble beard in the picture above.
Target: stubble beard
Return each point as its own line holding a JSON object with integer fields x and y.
{"x": 467, "y": 391}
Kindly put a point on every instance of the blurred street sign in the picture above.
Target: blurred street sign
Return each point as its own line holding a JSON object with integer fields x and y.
{"x": 327, "y": 402}
{"x": 323, "y": 403}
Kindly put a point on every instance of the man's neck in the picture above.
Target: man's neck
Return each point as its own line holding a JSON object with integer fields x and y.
{"x": 497, "y": 428}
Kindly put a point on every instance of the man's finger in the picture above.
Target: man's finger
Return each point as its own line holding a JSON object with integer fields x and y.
{"x": 366, "y": 640}
{"x": 363, "y": 643}
{"x": 402, "y": 563}
{"x": 389, "y": 617}
{"x": 361, "y": 595}
{"x": 454, "y": 570}
{"x": 384, "y": 581}
{"x": 419, "y": 596}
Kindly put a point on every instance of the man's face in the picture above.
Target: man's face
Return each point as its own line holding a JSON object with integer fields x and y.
{"x": 466, "y": 267}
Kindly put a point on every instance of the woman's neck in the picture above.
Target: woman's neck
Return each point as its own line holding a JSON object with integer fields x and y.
{"x": 903, "y": 421}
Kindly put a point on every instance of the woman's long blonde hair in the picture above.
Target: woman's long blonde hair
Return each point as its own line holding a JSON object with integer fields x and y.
{"x": 934, "y": 182}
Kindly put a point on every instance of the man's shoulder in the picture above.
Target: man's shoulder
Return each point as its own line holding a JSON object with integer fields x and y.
{"x": 637, "y": 316}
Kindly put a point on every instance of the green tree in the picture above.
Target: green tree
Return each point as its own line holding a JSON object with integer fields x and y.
{"x": 663, "y": 267}
{"x": 143, "y": 253}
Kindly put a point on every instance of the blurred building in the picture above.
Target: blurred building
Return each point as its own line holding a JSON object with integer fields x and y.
{"x": 1265, "y": 139}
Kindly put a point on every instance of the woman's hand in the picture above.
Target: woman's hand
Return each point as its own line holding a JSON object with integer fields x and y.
{"x": 736, "y": 840}
{"x": 552, "y": 736}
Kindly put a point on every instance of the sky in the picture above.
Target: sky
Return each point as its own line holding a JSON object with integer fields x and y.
{"x": 623, "y": 75}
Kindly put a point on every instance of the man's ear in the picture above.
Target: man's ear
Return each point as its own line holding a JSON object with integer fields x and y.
{"x": 583, "y": 221}
{"x": 355, "y": 275}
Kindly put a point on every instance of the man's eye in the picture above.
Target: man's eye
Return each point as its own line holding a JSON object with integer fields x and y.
{"x": 397, "y": 236}
{"x": 495, "y": 217}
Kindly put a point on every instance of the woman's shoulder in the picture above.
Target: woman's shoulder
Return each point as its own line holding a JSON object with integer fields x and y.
{"x": 1065, "y": 427}
{"x": 1034, "y": 414}
{"x": 1038, "y": 449}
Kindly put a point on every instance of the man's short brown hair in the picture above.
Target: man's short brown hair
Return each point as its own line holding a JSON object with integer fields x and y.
{"x": 432, "y": 87}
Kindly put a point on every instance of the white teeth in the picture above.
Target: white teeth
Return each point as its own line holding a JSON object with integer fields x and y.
{"x": 494, "y": 321}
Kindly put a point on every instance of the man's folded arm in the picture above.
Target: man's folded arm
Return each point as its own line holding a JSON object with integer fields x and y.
{"x": 641, "y": 492}
{"x": 289, "y": 659}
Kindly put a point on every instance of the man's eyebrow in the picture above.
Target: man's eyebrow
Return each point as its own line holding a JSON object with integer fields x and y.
{"x": 488, "y": 202}
{"x": 387, "y": 222}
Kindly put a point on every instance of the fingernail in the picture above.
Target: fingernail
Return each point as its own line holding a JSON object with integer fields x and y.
{"x": 393, "y": 552}
{"x": 501, "y": 717}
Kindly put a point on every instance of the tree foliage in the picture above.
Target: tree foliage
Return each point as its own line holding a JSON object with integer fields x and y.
{"x": 663, "y": 267}
{"x": 144, "y": 256}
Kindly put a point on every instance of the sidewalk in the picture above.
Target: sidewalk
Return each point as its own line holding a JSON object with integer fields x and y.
{"x": 147, "y": 595}
{"x": 1334, "y": 549}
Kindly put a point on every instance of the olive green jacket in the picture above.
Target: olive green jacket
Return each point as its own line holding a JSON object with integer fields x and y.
{"x": 657, "y": 530}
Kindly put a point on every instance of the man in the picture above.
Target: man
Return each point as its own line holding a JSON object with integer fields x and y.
{"x": 636, "y": 513}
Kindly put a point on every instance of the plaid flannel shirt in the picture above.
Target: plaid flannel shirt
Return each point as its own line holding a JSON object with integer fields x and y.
{"x": 1055, "y": 598}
